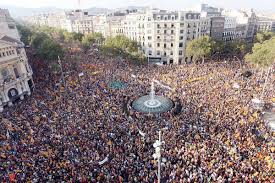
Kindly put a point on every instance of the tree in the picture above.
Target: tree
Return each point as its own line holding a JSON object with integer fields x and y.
{"x": 68, "y": 37}
{"x": 89, "y": 39}
{"x": 77, "y": 36}
{"x": 199, "y": 48}
{"x": 263, "y": 54}
{"x": 37, "y": 39}
{"x": 122, "y": 44}
{"x": 263, "y": 36}
{"x": 25, "y": 33}
{"x": 50, "y": 50}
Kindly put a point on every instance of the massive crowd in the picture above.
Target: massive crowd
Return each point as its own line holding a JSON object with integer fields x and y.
{"x": 81, "y": 131}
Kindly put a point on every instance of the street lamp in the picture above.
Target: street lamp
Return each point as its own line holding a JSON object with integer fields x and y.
{"x": 157, "y": 154}
{"x": 62, "y": 73}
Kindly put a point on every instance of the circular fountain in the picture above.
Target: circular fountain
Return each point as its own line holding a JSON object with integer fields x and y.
{"x": 152, "y": 103}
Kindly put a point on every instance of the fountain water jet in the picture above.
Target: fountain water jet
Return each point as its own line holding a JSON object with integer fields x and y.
{"x": 152, "y": 103}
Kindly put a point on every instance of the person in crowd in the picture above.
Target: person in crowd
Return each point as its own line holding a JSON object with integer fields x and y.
{"x": 88, "y": 132}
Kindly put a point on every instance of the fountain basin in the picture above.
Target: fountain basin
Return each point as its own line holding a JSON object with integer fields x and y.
{"x": 157, "y": 104}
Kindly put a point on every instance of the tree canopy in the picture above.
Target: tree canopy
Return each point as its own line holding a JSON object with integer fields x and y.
{"x": 38, "y": 38}
{"x": 50, "y": 50}
{"x": 25, "y": 33}
{"x": 263, "y": 54}
{"x": 89, "y": 39}
{"x": 199, "y": 48}
{"x": 263, "y": 36}
{"x": 122, "y": 43}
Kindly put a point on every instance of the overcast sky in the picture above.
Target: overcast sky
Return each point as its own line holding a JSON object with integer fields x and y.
{"x": 164, "y": 4}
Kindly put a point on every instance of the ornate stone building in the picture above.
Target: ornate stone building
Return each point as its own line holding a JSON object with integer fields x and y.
{"x": 15, "y": 72}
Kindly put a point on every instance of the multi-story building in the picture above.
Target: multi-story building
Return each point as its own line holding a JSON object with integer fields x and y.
{"x": 163, "y": 34}
{"x": 230, "y": 24}
{"x": 7, "y": 24}
{"x": 244, "y": 23}
{"x": 266, "y": 24}
{"x": 80, "y": 22}
{"x": 205, "y": 26}
{"x": 217, "y": 27}
{"x": 72, "y": 21}
{"x": 216, "y": 21}
{"x": 15, "y": 72}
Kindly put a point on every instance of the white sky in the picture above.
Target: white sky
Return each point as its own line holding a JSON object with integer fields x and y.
{"x": 164, "y": 4}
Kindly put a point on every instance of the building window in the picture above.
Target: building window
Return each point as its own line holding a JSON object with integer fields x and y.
{"x": 158, "y": 52}
{"x": 150, "y": 45}
{"x": 171, "y": 53}
{"x": 180, "y": 45}
{"x": 5, "y": 73}
{"x": 158, "y": 26}
{"x": 16, "y": 72}
{"x": 172, "y": 25}
{"x": 181, "y": 31}
{"x": 164, "y": 45}
{"x": 158, "y": 37}
{"x": 171, "y": 61}
{"x": 172, "y": 44}
{"x": 172, "y": 31}
{"x": 150, "y": 52}
{"x": 158, "y": 44}
{"x": 181, "y": 37}
{"x": 165, "y": 31}
{"x": 180, "y": 52}
{"x": 180, "y": 60}
{"x": 149, "y": 37}
{"x": 165, "y": 25}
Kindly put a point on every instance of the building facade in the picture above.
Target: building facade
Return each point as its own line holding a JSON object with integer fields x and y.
{"x": 7, "y": 24}
{"x": 239, "y": 25}
{"x": 15, "y": 72}
{"x": 217, "y": 27}
{"x": 265, "y": 25}
{"x": 163, "y": 35}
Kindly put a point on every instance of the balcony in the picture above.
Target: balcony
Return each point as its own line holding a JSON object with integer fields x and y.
{"x": 10, "y": 81}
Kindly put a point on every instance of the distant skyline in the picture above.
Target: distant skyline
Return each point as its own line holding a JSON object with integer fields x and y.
{"x": 268, "y": 5}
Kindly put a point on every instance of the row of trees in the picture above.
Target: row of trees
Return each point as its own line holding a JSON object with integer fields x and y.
{"x": 261, "y": 53}
{"x": 204, "y": 47}
{"x": 49, "y": 43}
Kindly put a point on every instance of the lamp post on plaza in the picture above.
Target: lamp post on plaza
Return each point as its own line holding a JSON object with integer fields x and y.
{"x": 62, "y": 73}
{"x": 154, "y": 104}
{"x": 157, "y": 154}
